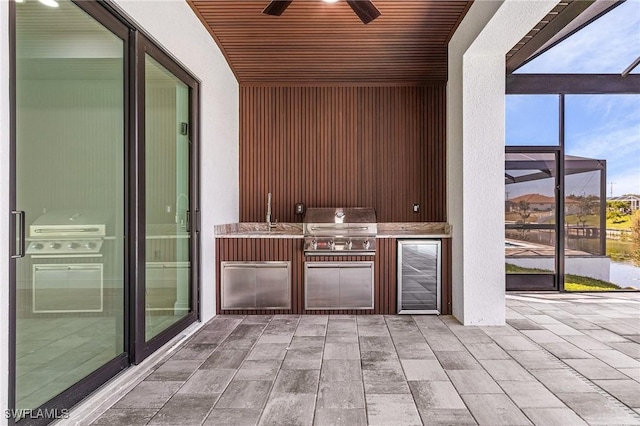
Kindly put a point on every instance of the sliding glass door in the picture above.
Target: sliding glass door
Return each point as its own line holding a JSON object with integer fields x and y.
{"x": 169, "y": 188}
{"x": 104, "y": 234}
{"x": 69, "y": 198}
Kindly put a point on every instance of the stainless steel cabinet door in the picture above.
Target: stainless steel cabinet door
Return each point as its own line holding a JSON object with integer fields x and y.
{"x": 256, "y": 285}
{"x": 356, "y": 286}
{"x": 339, "y": 285}
{"x": 238, "y": 287}
{"x": 322, "y": 286}
{"x": 272, "y": 286}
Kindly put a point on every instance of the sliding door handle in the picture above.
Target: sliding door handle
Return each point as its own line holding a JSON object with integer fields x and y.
{"x": 21, "y": 233}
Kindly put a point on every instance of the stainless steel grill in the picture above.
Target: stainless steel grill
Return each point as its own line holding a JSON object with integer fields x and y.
{"x": 65, "y": 232}
{"x": 340, "y": 231}
{"x": 69, "y": 261}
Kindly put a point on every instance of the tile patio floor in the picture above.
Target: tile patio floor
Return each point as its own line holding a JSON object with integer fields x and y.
{"x": 561, "y": 360}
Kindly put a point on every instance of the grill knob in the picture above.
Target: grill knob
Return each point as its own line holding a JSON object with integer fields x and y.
{"x": 366, "y": 244}
{"x": 38, "y": 246}
{"x": 314, "y": 244}
{"x": 332, "y": 245}
{"x": 90, "y": 245}
{"x": 54, "y": 245}
{"x": 73, "y": 245}
{"x": 348, "y": 245}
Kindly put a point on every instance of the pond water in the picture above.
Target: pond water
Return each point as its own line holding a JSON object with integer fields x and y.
{"x": 625, "y": 274}
{"x": 623, "y": 271}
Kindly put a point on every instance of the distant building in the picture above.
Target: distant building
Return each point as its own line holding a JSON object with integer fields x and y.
{"x": 632, "y": 199}
{"x": 537, "y": 202}
{"x": 541, "y": 203}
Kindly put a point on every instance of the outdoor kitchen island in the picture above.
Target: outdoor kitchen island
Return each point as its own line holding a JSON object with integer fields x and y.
{"x": 261, "y": 269}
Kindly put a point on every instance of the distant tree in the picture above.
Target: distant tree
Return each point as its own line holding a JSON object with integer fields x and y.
{"x": 586, "y": 207}
{"x": 617, "y": 210}
{"x": 635, "y": 237}
{"x": 613, "y": 211}
{"x": 523, "y": 208}
{"x": 524, "y": 211}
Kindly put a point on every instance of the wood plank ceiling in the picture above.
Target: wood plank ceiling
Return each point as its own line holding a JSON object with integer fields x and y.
{"x": 316, "y": 43}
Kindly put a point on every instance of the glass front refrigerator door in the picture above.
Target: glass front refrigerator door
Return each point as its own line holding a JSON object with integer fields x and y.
{"x": 419, "y": 277}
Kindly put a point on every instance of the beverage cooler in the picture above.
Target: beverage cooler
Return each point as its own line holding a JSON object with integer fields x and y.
{"x": 419, "y": 276}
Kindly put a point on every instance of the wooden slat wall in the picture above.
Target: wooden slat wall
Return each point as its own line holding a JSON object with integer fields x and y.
{"x": 386, "y": 276}
{"x": 381, "y": 147}
{"x": 281, "y": 249}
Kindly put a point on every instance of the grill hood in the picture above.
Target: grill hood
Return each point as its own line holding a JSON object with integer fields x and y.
{"x": 340, "y": 222}
{"x": 350, "y": 230}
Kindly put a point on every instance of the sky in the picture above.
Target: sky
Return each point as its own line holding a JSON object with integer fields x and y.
{"x": 597, "y": 126}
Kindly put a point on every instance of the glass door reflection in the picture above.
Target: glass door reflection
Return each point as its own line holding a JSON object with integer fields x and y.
{"x": 69, "y": 169}
{"x": 167, "y": 198}
{"x": 531, "y": 218}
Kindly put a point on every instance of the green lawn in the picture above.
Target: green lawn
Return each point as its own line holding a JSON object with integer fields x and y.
{"x": 515, "y": 269}
{"x": 580, "y": 283}
{"x": 590, "y": 220}
{"x": 594, "y": 220}
{"x": 571, "y": 282}
{"x": 624, "y": 223}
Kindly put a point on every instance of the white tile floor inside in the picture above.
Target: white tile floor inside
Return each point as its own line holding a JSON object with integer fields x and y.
{"x": 562, "y": 359}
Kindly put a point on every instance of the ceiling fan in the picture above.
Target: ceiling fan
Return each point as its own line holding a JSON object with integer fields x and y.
{"x": 365, "y": 9}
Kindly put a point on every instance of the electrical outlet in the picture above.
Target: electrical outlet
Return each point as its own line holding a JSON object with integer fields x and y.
{"x": 299, "y": 208}
{"x": 416, "y": 208}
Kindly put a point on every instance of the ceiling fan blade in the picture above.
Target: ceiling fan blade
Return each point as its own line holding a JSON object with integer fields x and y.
{"x": 276, "y": 7}
{"x": 365, "y": 10}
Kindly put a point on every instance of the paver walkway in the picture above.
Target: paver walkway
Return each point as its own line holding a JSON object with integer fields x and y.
{"x": 561, "y": 360}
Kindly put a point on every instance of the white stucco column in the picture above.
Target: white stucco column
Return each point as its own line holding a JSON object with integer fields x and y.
{"x": 475, "y": 151}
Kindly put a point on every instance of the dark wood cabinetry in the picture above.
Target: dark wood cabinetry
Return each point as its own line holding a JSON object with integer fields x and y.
{"x": 291, "y": 249}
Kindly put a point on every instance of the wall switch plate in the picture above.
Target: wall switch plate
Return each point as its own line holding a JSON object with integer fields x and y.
{"x": 299, "y": 208}
{"x": 416, "y": 208}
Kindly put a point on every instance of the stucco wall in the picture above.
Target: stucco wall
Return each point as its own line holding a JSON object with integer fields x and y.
{"x": 475, "y": 151}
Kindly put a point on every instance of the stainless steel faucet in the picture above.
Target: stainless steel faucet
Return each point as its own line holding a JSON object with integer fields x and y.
{"x": 269, "y": 223}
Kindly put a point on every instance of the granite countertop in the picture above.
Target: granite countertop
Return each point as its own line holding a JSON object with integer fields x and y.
{"x": 294, "y": 230}
{"x": 414, "y": 230}
{"x": 258, "y": 230}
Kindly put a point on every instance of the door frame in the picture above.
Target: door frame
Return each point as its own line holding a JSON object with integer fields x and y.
{"x": 538, "y": 282}
{"x": 141, "y": 347}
